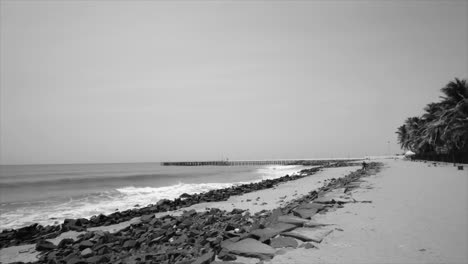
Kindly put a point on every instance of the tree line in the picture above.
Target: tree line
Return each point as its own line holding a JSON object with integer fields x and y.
{"x": 443, "y": 128}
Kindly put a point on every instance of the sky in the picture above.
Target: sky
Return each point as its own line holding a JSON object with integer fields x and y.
{"x": 148, "y": 81}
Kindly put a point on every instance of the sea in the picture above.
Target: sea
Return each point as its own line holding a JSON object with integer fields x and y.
{"x": 48, "y": 194}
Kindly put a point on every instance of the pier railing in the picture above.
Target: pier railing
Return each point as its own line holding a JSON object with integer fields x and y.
{"x": 254, "y": 162}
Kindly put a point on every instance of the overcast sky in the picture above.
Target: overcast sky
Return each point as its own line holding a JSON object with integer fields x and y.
{"x": 141, "y": 81}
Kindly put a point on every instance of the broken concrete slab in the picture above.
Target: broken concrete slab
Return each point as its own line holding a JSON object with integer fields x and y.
{"x": 282, "y": 242}
{"x": 271, "y": 231}
{"x": 250, "y": 247}
{"x": 313, "y": 223}
{"x": 291, "y": 219}
{"x": 307, "y": 210}
{"x": 309, "y": 234}
{"x": 334, "y": 198}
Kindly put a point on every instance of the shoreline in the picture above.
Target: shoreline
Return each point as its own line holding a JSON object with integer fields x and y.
{"x": 239, "y": 223}
{"x": 36, "y": 232}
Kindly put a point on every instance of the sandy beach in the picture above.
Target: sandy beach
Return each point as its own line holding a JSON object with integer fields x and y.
{"x": 418, "y": 214}
{"x": 403, "y": 214}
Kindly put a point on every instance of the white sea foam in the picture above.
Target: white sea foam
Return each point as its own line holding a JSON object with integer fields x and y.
{"x": 121, "y": 199}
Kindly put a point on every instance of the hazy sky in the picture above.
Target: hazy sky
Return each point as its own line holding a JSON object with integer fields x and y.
{"x": 140, "y": 81}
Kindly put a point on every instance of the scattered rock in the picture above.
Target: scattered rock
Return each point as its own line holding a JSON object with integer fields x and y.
{"x": 307, "y": 245}
{"x": 129, "y": 244}
{"x": 44, "y": 245}
{"x": 225, "y": 256}
{"x": 85, "y": 244}
{"x": 205, "y": 259}
{"x": 87, "y": 252}
{"x": 64, "y": 242}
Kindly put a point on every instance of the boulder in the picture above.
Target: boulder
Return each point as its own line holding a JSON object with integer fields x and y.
{"x": 44, "y": 245}
{"x": 309, "y": 234}
{"x": 282, "y": 242}
{"x": 85, "y": 244}
{"x": 250, "y": 248}
{"x": 271, "y": 231}
{"x": 129, "y": 244}
{"x": 87, "y": 252}
{"x": 146, "y": 218}
{"x": 64, "y": 242}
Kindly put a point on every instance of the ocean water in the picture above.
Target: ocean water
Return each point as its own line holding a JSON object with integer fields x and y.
{"x": 48, "y": 194}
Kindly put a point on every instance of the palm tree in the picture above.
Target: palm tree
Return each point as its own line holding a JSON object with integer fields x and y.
{"x": 443, "y": 127}
{"x": 455, "y": 115}
{"x": 455, "y": 91}
{"x": 402, "y": 137}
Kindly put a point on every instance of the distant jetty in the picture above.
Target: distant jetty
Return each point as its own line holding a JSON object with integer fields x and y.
{"x": 255, "y": 162}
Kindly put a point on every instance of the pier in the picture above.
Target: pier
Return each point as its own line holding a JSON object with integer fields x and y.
{"x": 255, "y": 162}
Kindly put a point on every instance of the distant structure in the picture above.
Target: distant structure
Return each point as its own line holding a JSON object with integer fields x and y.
{"x": 227, "y": 162}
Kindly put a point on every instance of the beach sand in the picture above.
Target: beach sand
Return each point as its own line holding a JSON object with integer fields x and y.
{"x": 418, "y": 214}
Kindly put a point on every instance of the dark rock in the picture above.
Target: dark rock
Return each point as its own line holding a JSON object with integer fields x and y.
{"x": 64, "y": 242}
{"x": 205, "y": 258}
{"x": 185, "y": 195}
{"x": 76, "y": 261}
{"x": 44, "y": 245}
{"x": 226, "y": 256}
{"x": 129, "y": 244}
{"x": 85, "y": 244}
{"x": 146, "y": 218}
{"x": 98, "y": 259}
{"x": 189, "y": 213}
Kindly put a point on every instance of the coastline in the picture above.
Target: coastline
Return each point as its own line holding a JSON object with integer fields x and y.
{"x": 326, "y": 174}
{"x": 353, "y": 216}
{"x": 35, "y": 232}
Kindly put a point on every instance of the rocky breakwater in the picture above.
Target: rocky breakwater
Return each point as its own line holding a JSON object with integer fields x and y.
{"x": 33, "y": 233}
{"x": 211, "y": 236}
